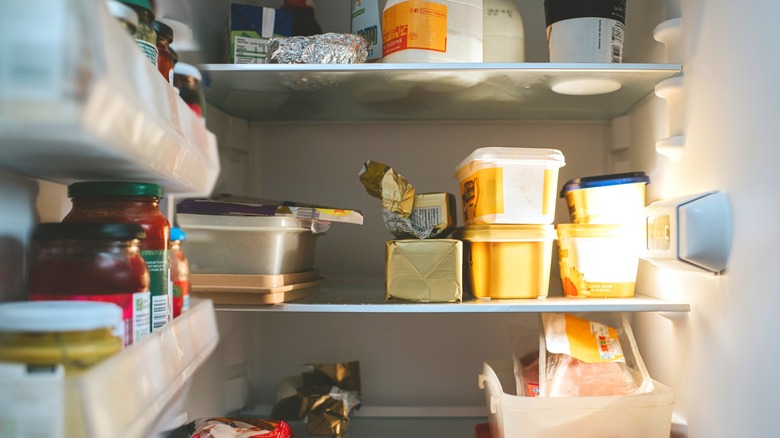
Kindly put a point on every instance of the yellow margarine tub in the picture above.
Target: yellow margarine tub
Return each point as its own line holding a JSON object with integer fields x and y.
{"x": 607, "y": 199}
{"x": 598, "y": 260}
{"x": 502, "y": 185}
{"x": 508, "y": 261}
{"x": 76, "y": 334}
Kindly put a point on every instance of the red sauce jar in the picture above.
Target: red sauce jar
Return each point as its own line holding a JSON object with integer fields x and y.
{"x": 180, "y": 273}
{"x": 93, "y": 262}
{"x": 134, "y": 203}
{"x": 165, "y": 60}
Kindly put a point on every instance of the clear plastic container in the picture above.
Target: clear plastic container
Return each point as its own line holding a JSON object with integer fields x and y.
{"x": 502, "y": 185}
{"x": 508, "y": 261}
{"x": 617, "y": 199}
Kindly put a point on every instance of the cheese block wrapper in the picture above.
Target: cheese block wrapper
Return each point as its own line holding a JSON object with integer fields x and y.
{"x": 427, "y": 271}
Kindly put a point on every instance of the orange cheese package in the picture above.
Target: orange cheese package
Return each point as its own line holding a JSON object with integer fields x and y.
{"x": 222, "y": 427}
{"x": 597, "y": 356}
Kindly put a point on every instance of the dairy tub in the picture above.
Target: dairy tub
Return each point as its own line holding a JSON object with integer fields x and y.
{"x": 647, "y": 415}
{"x": 509, "y": 185}
{"x": 607, "y": 199}
{"x": 258, "y": 245}
{"x": 598, "y": 260}
{"x": 508, "y": 261}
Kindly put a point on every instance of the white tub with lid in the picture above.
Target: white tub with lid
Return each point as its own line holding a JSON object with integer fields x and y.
{"x": 501, "y": 185}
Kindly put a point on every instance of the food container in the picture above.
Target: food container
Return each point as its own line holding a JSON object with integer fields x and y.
{"x": 607, "y": 199}
{"x": 509, "y": 185}
{"x": 508, "y": 261}
{"x": 598, "y": 260}
{"x": 647, "y": 415}
{"x": 259, "y": 245}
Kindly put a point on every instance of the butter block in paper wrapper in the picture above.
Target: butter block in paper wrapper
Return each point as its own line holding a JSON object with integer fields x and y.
{"x": 424, "y": 270}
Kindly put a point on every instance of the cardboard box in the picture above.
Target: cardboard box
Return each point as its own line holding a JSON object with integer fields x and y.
{"x": 424, "y": 270}
{"x": 250, "y": 29}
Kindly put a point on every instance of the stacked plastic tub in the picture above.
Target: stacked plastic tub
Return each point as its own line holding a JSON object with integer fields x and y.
{"x": 598, "y": 252}
{"x": 509, "y": 197}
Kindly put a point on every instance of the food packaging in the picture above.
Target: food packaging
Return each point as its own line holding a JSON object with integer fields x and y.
{"x": 598, "y": 260}
{"x": 240, "y": 427}
{"x": 250, "y": 30}
{"x": 327, "y": 48}
{"x": 508, "y": 261}
{"x": 424, "y": 270}
{"x": 607, "y": 199}
{"x": 585, "y": 31}
{"x": 501, "y": 185}
{"x": 365, "y": 22}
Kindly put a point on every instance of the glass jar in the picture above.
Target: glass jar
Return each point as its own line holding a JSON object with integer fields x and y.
{"x": 125, "y": 15}
{"x": 180, "y": 273}
{"x": 164, "y": 56}
{"x": 145, "y": 35}
{"x": 136, "y": 203}
{"x": 74, "y": 334}
{"x": 187, "y": 79}
{"x": 93, "y": 262}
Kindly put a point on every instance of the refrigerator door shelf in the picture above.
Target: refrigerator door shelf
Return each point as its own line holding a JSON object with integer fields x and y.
{"x": 81, "y": 102}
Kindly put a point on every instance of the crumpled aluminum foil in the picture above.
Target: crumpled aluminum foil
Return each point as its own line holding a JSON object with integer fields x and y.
{"x": 328, "y": 48}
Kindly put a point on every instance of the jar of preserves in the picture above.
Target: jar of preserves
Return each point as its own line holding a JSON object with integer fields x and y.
{"x": 135, "y": 203}
{"x": 93, "y": 262}
{"x": 75, "y": 334}
{"x": 180, "y": 273}
{"x": 165, "y": 58}
{"x": 145, "y": 35}
{"x": 187, "y": 79}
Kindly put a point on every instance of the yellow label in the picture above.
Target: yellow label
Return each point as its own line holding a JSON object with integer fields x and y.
{"x": 483, "y": 193}
{"x": 592, "y": 342}
{"x": 414, "y": 24}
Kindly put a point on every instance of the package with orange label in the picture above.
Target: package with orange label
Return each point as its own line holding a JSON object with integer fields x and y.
{"x": 597, "y": 356}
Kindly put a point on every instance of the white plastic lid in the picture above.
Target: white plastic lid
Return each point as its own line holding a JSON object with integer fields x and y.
{"x": 58, "y": 316}
{"x": 122, "y": 11}
{"x": 504, "y": 154}
{"x": 185, "y": 69}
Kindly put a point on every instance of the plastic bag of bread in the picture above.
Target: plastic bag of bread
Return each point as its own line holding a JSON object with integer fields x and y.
{"x": 594, "y": 355}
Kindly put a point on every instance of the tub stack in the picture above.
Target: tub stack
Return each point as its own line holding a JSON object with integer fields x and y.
{"x": 509, "y": 197}
{"x": 598, "y": 251}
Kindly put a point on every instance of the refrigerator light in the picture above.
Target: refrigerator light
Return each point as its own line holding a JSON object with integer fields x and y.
{"x": 586, "y": 87}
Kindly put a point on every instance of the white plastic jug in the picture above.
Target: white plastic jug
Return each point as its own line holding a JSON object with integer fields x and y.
{"x": 504, "y": 36}
{"x": 432, "y": 31}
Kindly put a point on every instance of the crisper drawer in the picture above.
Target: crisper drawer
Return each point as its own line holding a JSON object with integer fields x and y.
{"x": 635, "y": 416}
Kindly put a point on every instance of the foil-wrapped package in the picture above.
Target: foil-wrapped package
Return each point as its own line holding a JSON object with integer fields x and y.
{"x": 327, "y": 48}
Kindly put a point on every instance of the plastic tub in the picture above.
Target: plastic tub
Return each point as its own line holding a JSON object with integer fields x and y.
{"x": 646, "y": 415}
{"x": 509, "y": 185}
{"x": 607, "y": 199}
{"x": 598, "y": 260}
{"x": 258, "y": 245}
{"x": 508, "y": 261}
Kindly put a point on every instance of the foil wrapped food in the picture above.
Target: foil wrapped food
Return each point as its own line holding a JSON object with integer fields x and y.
{"x": 327, "y": 48}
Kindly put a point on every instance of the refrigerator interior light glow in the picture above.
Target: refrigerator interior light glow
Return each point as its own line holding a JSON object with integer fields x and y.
{"x": 586, "y": 87}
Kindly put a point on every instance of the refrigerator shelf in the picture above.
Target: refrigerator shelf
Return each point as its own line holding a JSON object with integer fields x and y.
{"x": 141, "y": 390}
{"x": 84, "y": 103}
{"x": 437, "y": 91}
{"x": 332, "y": 299}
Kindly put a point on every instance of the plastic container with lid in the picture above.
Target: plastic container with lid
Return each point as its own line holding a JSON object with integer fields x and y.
{"x": 93, "y": 262}
{"x": 187, "y": 79}
{"x": 503, "y": 39}
{"x": 75, "y": 334}
{"x": 145, "y": 35}
{"x": 598, "y": 260}
{"x": 135, "y": 203}
{"x": 508, "y": 261}
{"x": 165, "y": 60}
{"x": 607, "y": 199}
{"x": 501, "y": 185}
{"x": 180, "y": 272}
{"x": 432, "y": 31}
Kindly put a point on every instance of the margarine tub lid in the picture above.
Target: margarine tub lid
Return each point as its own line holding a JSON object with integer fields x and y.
{"x": 589, "y": 182}
{"x": 593, "y": 230}
{"x": 506, "y": 233}
{"x": 58, "y": 316}
{"x": 551, "y": 157}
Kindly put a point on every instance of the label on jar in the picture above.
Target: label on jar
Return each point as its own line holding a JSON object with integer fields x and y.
{"x": 587, "y": 39}
{"x": 158, "y": 262}
{"x": 414, "y": 24}
{"x": 150, "y": 50}
{"x": 181, "y": 297}
{"x": 32, "y": 402}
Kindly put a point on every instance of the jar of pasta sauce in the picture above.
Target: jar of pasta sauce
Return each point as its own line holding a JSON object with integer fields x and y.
{"x": 135, "y": 203}
{"x": 180, "y": 273}
{"x": 93, "y": 262}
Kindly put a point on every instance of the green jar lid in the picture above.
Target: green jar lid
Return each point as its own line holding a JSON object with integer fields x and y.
{"x": 145, "y": 4}
{"x": 114, "y": 188}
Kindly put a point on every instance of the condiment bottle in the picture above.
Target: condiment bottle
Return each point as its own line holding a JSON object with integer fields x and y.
{"x": 93, "y": 262}
{"x": 136, "y": 203}
{"x": 180, "y": 272}
{"x": 76, "y": 335}
{"x": 165, "y": 59}
{"x": 187, "y": 79}
{"x": 503, "y": 39}
{"x": 145, "y": 35}
{"x": 125, "y": 15}
{"x": 304, "y": 23}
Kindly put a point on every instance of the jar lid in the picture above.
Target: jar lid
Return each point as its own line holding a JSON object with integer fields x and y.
{"x": 58, "y": 316}
{"x": 184, "y": 69}
{"x": 163, "y": 30}
{"x": 604, "y": 180}
{"x": 145, "y": 4}
{"x": 114, "y": 188}
{"x": 177, "y": 234}
{"x": 88, "y": 231}
{"x": 121, "y": 11}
